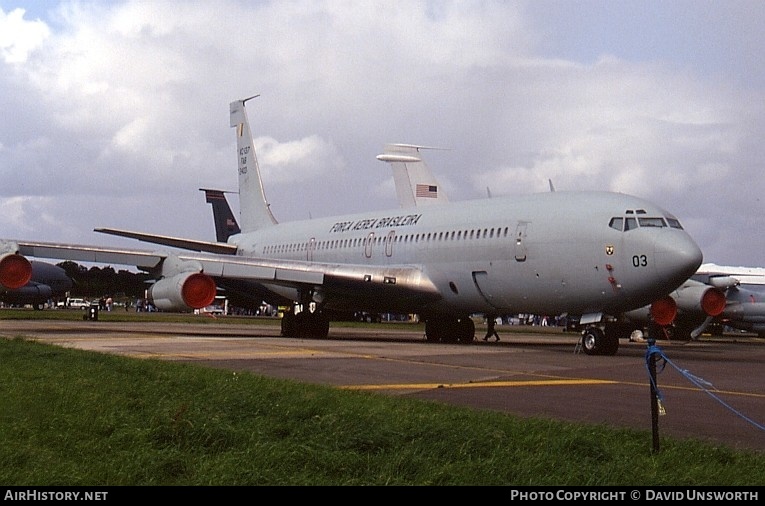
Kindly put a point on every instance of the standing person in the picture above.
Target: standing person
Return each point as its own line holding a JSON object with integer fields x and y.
{"x": 490, "y": 328}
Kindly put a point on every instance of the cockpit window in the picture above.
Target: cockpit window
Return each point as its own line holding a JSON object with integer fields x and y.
{"x": 635, "y": 217}
{"x": 652, "y": 222}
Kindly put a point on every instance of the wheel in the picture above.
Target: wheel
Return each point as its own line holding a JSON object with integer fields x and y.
{"x": 611, "y": 342}
{"x": 593, "y": 341}
{"x": 319, "y": 325}
{"x": 466, "y": 328}
{"x": 434, "y": 330}
{"x": 288, "y": 324}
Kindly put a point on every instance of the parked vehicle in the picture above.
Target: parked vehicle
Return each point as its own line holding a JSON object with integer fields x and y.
{"x": 74, "y": 303}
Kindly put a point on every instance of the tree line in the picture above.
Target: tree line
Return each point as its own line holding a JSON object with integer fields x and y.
{"x": 95, "y": 282}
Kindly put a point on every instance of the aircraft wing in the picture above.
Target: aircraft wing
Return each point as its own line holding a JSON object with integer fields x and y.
{"x": 338, "y": 282}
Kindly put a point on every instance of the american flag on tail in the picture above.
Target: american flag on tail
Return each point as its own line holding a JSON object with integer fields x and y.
{"x": 426, "y": 190}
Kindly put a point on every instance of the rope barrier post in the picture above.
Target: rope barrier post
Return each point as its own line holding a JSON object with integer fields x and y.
{"x": 653, "y": 330}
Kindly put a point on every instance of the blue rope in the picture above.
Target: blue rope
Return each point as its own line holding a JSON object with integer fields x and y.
{"x": 702, "y": 384}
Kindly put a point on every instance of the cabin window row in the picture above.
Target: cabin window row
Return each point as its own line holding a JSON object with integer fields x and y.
{"x": 361, "y": 242}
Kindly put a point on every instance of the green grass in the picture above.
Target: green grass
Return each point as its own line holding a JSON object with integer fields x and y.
{"x": 77, "y": 418}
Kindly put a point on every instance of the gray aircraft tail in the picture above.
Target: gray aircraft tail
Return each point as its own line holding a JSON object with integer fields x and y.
{"x": 225, "y": 222}
{"x": 254, "y": 210}
{"x": 415, "y": 184}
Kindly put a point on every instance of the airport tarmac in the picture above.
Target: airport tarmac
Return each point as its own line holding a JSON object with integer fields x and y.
{"x": 712, "y": 389}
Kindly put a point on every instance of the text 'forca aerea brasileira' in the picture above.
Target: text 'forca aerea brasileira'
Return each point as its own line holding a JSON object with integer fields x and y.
{"x": 386, "y": 222}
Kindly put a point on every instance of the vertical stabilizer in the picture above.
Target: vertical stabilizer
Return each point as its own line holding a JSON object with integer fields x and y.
{"x": 415, "y": 184}
{"x": 254, "y": 210}
{"x": 223, "y": 216}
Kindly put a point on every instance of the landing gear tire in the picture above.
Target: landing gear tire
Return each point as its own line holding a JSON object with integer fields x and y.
{"x": 612, "y": 345}
{"x": 434, "y": 331}
{"x": 289, "y": 327}
{"x": 597, "y": 342}
{"x": 305, "y": 325}
{"x": 450, "y": 330}
{"x": 466, "y": 330}
{"x": 311, "y": 325}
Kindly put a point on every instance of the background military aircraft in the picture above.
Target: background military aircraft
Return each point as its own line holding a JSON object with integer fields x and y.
{"x": 744, "y": 289}
{"x": 414, "y": 182}
{"x": 545, "y": 253}
{"x": 47, "y": 281}
{"x": 223, "y": 216}
{"x": 716, "y": 297}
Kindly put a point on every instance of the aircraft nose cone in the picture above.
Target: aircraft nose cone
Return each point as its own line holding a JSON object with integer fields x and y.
{"x": 678, "y": 257}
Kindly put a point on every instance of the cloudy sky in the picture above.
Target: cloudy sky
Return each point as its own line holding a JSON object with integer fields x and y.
{"x": 115, "y": 113}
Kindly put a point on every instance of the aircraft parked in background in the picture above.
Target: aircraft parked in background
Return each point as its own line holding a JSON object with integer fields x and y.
{"x": 713, "y": 298}
{"x": 47, "y": 281}
{"x": 415, "y": 184}
{"x": 744, "y": 292}
{"x": 225, "y": 221}
{"x": 546, "y": 253}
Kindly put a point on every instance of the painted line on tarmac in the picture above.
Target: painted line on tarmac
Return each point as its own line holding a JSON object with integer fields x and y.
{"x": 482, "y": 384}
{"x": 227, "y": 354}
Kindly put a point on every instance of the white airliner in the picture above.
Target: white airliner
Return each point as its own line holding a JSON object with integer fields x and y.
{"x": 595, "y": 254}
{"x": 714, "y": 297}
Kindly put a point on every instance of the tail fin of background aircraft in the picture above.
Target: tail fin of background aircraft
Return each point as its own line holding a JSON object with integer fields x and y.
{"x": 225, "y": 222}
{"x": 415, "y": 184}
{"x": 254, "y": 210}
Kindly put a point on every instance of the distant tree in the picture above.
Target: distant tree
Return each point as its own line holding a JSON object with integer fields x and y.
{"x": 98, "y": 282}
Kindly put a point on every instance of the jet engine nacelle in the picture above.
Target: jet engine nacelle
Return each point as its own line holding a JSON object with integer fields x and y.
{"x": 184, "y": 291}
{"x": 36, "y": 292}
{"x": 695, "y": 298}
{"x": 15, "y": 271}
{"x": 723, "y": 282}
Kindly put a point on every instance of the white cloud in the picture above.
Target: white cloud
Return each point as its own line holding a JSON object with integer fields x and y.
{"x": 19, "y": 37}
{"x": 288, "y": 162}
{"x": 118, "y": 111}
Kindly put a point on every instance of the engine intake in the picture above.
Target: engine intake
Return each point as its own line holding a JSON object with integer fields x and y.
{"x": 664, "y": 310}
{"x": 188, "y": 290}
{"x": 15, "y": 271}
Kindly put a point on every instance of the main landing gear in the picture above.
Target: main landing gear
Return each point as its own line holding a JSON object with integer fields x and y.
{"x": 305, "y": 324}
{"x": 596, "y": 341}
{"x": 449, "y": 330}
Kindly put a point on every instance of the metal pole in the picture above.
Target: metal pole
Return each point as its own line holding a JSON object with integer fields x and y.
{"x": 653, "y": 328}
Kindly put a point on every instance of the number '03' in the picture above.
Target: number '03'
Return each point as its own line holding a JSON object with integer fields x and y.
{"x": 639, "y": 261}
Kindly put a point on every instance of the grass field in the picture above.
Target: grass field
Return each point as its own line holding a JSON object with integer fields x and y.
{"x": 77, "y": 418}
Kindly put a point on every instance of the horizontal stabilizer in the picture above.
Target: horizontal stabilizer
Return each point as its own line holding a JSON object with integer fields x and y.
{"x": 175, "y": 242}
